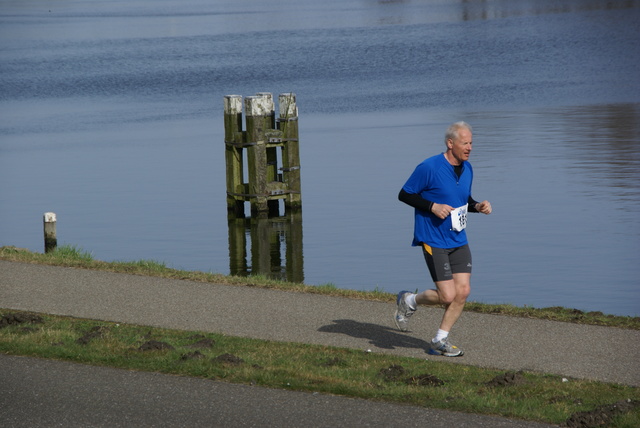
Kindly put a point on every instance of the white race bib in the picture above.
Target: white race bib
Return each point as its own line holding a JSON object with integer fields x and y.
{"x": 459, "y": 218}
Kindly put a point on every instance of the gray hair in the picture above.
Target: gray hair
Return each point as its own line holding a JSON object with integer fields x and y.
{"x": 452, "y": 131}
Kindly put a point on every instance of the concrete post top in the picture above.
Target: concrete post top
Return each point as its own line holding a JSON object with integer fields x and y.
{"x": 287, "y": 104}
{"x": 258, "y": 105}
{"x": 232, "y": 104}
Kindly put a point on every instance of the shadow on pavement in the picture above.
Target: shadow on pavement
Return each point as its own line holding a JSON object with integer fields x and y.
{"x": 378, "y": 335}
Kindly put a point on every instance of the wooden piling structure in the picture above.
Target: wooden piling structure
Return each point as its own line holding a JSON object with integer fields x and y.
{"x": 50, "y": 234}
{"x": 263, "y": 137}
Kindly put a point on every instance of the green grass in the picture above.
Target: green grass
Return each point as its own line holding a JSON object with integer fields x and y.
{"x": 71, "y": 256}
{"x": 312, "y": 368}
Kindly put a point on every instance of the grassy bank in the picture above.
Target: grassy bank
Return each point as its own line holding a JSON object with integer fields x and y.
{"x": 70, "y": 256}
{"x": 323, "y": 369}
{"x": 313, "y": 368}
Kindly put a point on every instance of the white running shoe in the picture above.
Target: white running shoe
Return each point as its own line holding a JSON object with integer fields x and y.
{"x": 404, "y": 312}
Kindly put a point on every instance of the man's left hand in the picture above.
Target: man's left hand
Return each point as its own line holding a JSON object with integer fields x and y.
{"x": 484, "y": 207}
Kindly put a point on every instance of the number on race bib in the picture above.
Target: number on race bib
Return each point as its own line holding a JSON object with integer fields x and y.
{"x": 459, "y": 218}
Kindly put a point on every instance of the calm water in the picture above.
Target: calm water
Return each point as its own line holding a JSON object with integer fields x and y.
{"x": 111, "y": 116}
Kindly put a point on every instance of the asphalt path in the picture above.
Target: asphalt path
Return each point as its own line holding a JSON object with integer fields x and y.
{"x": 508, "y": 343}
{"x": 43, "y": 393}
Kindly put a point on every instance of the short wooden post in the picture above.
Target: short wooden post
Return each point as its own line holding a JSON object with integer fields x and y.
{"x": 50, "y": 238}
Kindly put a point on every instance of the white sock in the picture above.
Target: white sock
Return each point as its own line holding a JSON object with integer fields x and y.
{"x": 410, "y": 298}
{"x": 441, "y": 334}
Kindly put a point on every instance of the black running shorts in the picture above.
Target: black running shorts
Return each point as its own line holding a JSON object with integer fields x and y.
{"x": 444, "y": 262}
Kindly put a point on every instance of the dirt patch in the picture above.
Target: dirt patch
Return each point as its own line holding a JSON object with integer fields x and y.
{"x": 196, "y": 355}
{"x": 16, "y": 319}
{"x": 424, "y": 380}
{"x": 228, "y": 359}
{"x": 601, "y": 416}
{"x": 508, "y": 379}
{"x": 397, "y": 373}
{"x": 202, "y": 344}
{"x": 332, "y": 362}
{"x": 95, "y": 333}
{"x": 154, "y": 345}
{"x": 392, "y": 373}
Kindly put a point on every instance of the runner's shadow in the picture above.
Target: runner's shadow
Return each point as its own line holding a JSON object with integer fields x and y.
{"x": 378, "y": 335}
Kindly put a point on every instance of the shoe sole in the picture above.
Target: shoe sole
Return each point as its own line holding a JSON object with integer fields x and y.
{"x": 444, "y": 354}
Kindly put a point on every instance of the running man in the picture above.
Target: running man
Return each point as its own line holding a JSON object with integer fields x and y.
{"x": 440, "y": 191}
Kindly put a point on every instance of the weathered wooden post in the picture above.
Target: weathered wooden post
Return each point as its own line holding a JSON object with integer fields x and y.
{"x": 272, "y": 155}
{"x": 259, "y": 118}
{"x": 50, "y": 238}
{"x": 234, "y": 140}
{"x": 288, "y": 124}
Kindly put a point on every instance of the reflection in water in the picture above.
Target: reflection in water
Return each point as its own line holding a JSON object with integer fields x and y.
{"x": 473, "y": 10}
{"x": 267, "y": 240}
{"x": 603, "y": 142}
{"x": 407, "y": 12}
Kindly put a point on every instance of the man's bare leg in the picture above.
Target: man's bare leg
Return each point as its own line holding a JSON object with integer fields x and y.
{"x": 452, "y": 294}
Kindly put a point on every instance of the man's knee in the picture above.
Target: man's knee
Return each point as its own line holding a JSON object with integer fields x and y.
{"x": 463, "y": 294}
{"x": 462, "y": 286}
{"x": 447, "y": 295}
{"x": 447, "y": 299}
{"x": 459, "y": 296}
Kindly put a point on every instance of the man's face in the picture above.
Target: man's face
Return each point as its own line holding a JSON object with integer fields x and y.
{"x": 461, "y": 147}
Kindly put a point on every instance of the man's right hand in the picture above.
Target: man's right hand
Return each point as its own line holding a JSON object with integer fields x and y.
{"x": 441, "y": 211}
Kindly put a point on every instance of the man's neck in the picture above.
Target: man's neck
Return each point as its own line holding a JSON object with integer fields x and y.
{"x": 448, "y": 157}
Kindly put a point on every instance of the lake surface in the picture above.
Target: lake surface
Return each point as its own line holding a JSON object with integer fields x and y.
{"x": 111, "y": 117}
